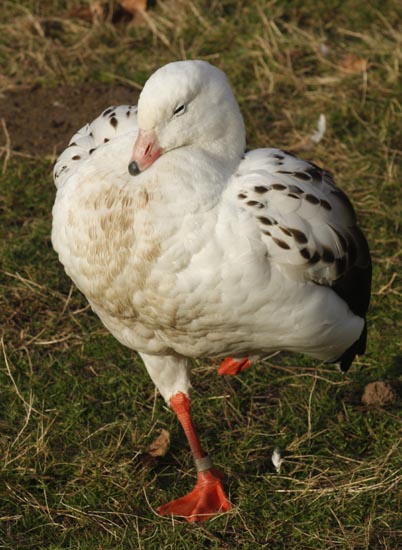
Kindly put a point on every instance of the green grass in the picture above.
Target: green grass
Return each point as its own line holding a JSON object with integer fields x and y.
{"x": 77, "y": 410}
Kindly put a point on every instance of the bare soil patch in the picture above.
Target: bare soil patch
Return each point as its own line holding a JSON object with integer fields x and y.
{"x": 41, "y": 120}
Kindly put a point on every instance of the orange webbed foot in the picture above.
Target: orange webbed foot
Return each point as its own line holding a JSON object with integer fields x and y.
{"x": 204, "y": 501}
{"x": 232, "y": 366}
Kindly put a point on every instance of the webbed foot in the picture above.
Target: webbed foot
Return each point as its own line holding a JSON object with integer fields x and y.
{"x": 204, "y": 501}
{"x": 233, "y": 366}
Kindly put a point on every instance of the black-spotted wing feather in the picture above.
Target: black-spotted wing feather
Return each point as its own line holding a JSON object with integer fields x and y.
{"x": 307, "y": 223}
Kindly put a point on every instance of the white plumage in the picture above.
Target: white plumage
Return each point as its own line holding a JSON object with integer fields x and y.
{"x": 206, "y": 251}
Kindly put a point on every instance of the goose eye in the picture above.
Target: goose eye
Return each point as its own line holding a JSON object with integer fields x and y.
{"x": 179, "y": 110}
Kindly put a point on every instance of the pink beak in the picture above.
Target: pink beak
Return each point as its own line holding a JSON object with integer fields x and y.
{"x": 146, "y": 151}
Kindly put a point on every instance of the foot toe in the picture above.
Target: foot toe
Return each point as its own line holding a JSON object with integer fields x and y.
{"x": 204, "y": 501}
{"x": 230, "y": 366}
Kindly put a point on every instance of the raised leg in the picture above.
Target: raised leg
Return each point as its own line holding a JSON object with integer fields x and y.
{"x": 233, "y": 366}
{"x": 208, "y": 497}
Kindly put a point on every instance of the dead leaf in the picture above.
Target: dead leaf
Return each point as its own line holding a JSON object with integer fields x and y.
{"x": 160, "y": 446}
{"x": 133, "y": 6}
{"x": 99, "y": 10}
{"x": 378, "y": 393}
{"x": 92, "y": 12}
{"x": 351, "y": 64}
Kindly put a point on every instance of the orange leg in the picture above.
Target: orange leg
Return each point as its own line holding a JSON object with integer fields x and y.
{"x": 233, "y": 367}
{"x": 208, "y": 497}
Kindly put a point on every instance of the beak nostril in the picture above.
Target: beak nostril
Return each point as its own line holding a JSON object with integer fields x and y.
{"x": 145, "y": 151}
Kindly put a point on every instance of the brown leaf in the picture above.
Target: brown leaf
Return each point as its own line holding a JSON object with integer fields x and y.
{"x": 92, "y": 12}
{"x": 378, "y": 393}
{"x": 99, "y": 10}
{"x": 96, "y": 8}
{"x": 351, "y": 64}
{"x": 160, "y": 446}
{"x": 133, "y": 6}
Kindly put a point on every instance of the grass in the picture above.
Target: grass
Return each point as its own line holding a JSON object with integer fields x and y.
{"x": 77, "y": 411}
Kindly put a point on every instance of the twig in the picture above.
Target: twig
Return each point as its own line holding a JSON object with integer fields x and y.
{"x": 7, "y": 147}
{"x": 129, "y": 81}
{"x": 387, "y": 286}
{"x": 310, "y": 398}
{"x": 149, "y": 504}
{"x": 28, "y": 406}
{"x": 17, "y": 391}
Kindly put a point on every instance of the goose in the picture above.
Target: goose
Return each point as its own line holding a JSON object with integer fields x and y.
{"x": 186, "y": 246}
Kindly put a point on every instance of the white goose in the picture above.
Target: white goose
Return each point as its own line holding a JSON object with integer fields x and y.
{"x": 187, "y": 247}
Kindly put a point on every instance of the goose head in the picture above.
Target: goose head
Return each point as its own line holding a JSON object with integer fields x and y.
{"x": 187, "y": 104}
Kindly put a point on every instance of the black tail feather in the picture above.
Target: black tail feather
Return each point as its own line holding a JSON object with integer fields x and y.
{"x": 357, "y": 348}
{"x": 355, "y": 287}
